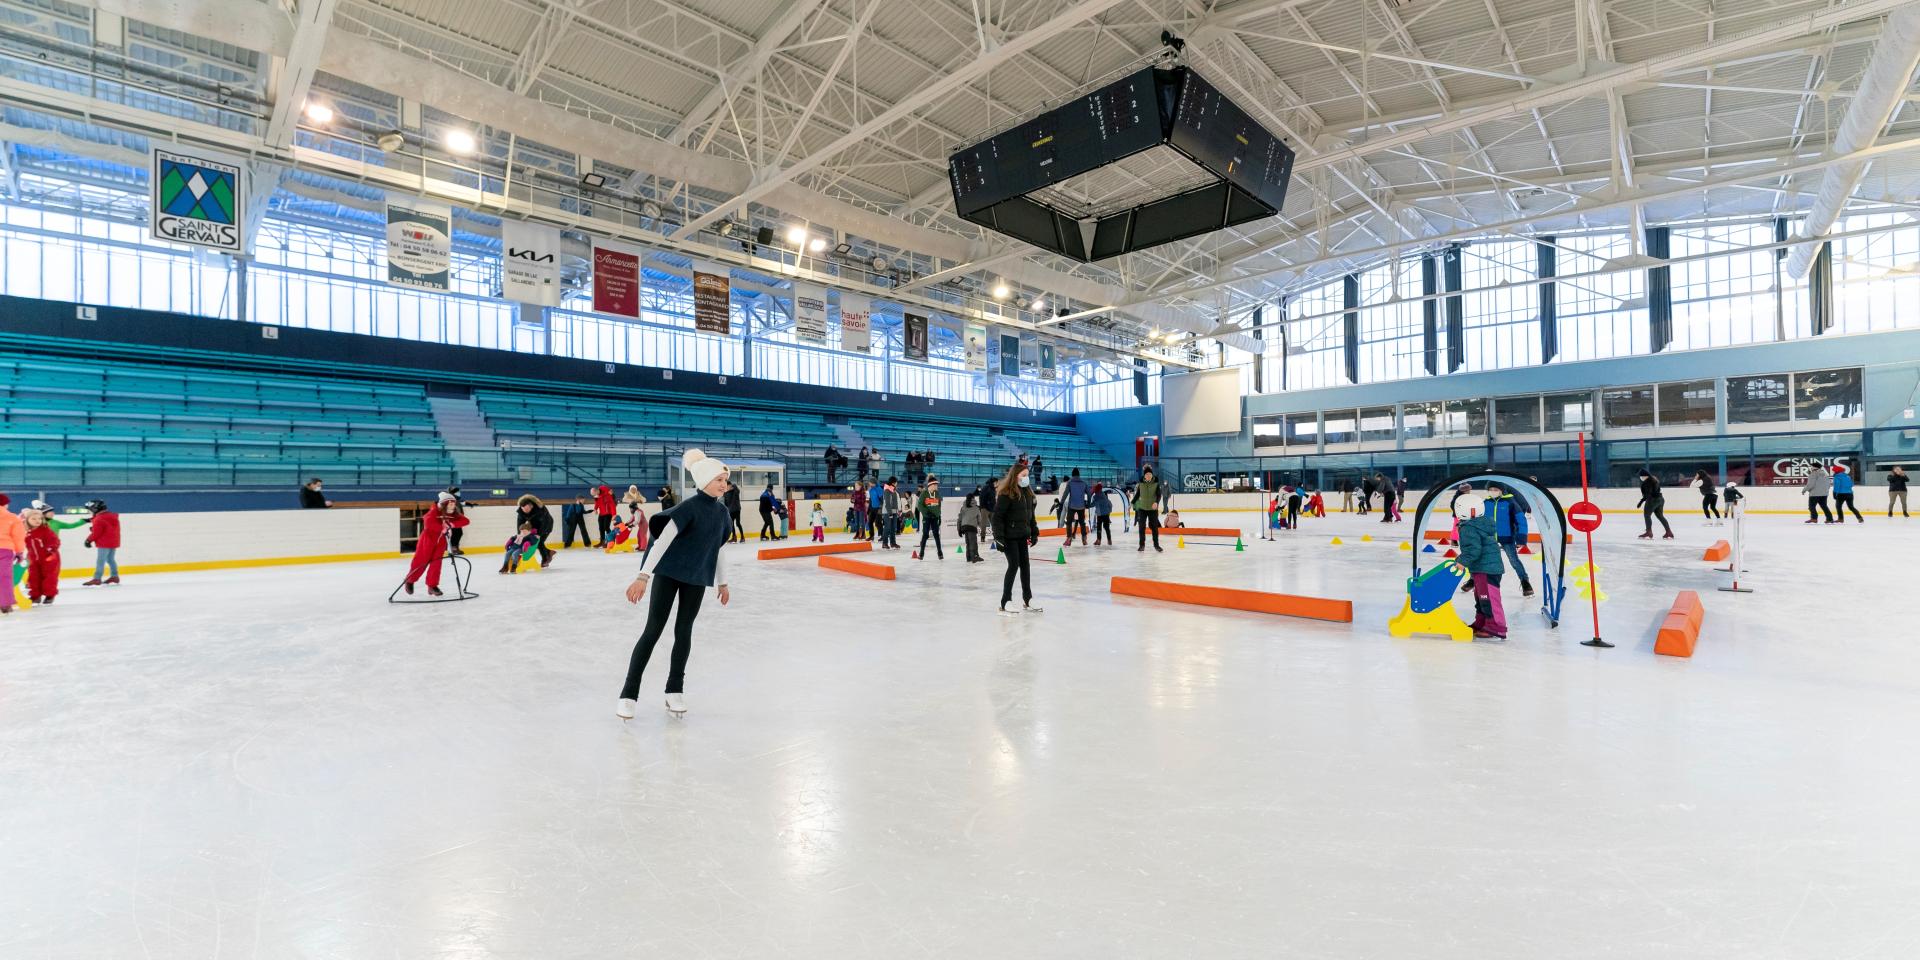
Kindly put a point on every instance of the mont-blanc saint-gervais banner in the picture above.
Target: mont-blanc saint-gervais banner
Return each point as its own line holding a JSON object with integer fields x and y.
{"x": 419, "y": 244}
{"x": 197, "y": 201}
{"x": 530, "y": 263}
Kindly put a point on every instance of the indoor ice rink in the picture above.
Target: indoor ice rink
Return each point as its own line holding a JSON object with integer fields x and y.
{"x": 958, "y": 478}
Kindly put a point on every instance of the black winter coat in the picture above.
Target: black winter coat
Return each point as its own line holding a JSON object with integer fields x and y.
{"x": 1013, "y": 518}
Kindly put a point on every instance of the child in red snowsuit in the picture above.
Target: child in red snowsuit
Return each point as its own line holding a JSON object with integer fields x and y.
{"x": 435, "y": 528}
{"x": 43, "y": 558}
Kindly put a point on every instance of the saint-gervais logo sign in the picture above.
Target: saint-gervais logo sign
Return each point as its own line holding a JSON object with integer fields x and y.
{"x": 196, "y": 201}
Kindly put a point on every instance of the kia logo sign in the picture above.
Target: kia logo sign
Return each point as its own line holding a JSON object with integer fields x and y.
{"x": 529, "y": 255}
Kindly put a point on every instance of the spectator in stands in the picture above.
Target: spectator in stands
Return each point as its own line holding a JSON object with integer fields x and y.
{"x": 832, "y": 458}
{"x": 311, "y": 498}
{"x": 732, "y": 501}
{"x": 13, "y": 546}
{"x": 874, "y": 461}
{"x": 1016, "y": 532}
{"x": 1035, "y": 472}
{"x": 604, "y": 510}
{"x": 927, "y": 459}
{"x": 104, "y": 537}
{"x": 865, "y": 456}
{"x": 927, "y": 515}
{"x": 573, "y": 517}
{"x": 531, "y": 510}
{"x": 1146, "y": 507}
{"x": 769, "y": 503}
{"x": 913, "y": 463}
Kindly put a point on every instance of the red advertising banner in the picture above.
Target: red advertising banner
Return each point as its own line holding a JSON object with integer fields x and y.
{"x": 712, "y": 299}
{"x": 616, "y": 281}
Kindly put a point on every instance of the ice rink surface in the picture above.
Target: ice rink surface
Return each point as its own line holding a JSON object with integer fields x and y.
{"x": 275, "y": 763}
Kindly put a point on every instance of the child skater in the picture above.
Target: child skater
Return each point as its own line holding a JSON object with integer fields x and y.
{"x": 971, "y": 519}
{"x": 13, "y": 546}
{"x": 43, "y": 556}
{"x": 686, "y": 559}
{"x": 1316, "y": 505}
{"x": 1480, "y": 554}
{"x": 927, "y": 503}
{"x": 104, "y": 537}
{"x": 818, "y": 519}
{"x": 517, "y": 546}
{"x": 1102, "y": 516}
{"x": 435, "y": 533}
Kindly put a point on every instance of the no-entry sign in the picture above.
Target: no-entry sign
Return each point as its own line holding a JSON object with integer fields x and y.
{"x": 1584, "y": 516}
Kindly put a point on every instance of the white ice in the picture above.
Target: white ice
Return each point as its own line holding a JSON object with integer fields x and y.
{"x": 275, "y": 763}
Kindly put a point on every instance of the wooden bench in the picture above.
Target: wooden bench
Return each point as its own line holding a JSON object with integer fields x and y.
{"x": 865, "y": 568}
{"x": 1681, "y": 630}
{"x": 1255, "y": 601}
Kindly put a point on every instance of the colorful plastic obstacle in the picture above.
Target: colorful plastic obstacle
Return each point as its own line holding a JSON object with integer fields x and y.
{"x": 1238, "y": 545}
{"x": 20, "y": 599}
{"x": 1428, "y": 609}
{"x": 815, "y": 550}
{"x": 1681, "y": 629}
{"x": 1451, "y": 553}
{"x": 1429, "y": 548}
{"x": 1406, "y": 546}
{"x": 1254, "y": 601}
{"x": 1366, "y": 538}
{"x": 1523, "y": 551}
{"x": 1335, "y": 542}
{"x": 960, "y": 550}
{"x": 865, "y": 568}
{"x": 1062, "y": 558}
{"x": 1720, "y": 550}
{"x": 1583, "y": 583}
{"x": 529, "y": 559}
{"x": 1180, "y": 543}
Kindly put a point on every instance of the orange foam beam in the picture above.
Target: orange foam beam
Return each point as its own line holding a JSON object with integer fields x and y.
{"x": 1202, "y": 531}
{"x": 1256, "y": 601}
{"x": 1720, "y": 550}
{"x": 815, "y": 550}
{"x": 878, "y": 571}
{"x": 1681, "y": 628}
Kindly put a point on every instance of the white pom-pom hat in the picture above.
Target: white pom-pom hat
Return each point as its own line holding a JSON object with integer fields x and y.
{"x": 702, "y": 467}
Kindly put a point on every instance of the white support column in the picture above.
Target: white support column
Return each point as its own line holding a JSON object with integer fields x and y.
{"x": 291, "y": 76}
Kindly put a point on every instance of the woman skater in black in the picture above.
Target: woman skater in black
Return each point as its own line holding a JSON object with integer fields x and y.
{"x": 1709, "y": 494}
{"x": 1014, "y": 529}
{"x": 1653, "y": 504}
{"x": 685, "y": 557}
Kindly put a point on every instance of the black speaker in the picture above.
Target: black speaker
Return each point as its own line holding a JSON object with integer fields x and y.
{"x": 764, "y": 237}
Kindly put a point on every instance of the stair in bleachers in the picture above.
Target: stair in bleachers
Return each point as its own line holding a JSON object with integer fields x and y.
{"x": 469, "y": 439}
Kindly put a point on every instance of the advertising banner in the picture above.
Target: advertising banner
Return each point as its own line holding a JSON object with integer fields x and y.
{"x": 809, "y": 313}
{"x": 530, "y": 263}
{"x": 856, "y": 330}
{"x": 1009, "y": 354}
{"x": 197, "y": 201}
{"x": 1046, "y": 360}
{"x": 916, "y": 336}
{"x": 616, "y": 279}
{"x": 419, "y": 244}
{"x": 976, "y": 343}
{"x": 712, "y": 298}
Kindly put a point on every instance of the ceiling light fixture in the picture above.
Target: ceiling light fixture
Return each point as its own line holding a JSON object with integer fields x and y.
{"x": 818, "y": 244}
{"x": 1039, "y": 305}
{"x": 1001, "y": 291}
{"x": 796, "y": 235}
{"x": 319, "y": 112}
{"x": 593, "y": 181}
{"x": 460, "y": 142}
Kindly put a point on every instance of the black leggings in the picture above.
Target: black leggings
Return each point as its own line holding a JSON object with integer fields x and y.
{"x": 1145, "y": 520}
{"x": 1103, "y": 527}
{"x": 665, "y": 591}
{"x": 606, "y": 525}
{"x": 1710, "y": 505}
{"x": 739, "y": 530}
{"x": 1819, "y": 504}
{"x": 1655, "y": 508}
{"x": 1077, "y": 520}
{"x": 1842, "y": 502}
{"x": 931, "y": 528}
{"x": 1016, "y": 563}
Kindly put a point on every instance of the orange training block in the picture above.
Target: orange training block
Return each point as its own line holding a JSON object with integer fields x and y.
{"x": 1720, "y": 550}
{"x": 1207, "y": 531}
{"x": 878, "y": 571}
{"x": 1681, "y": 629}
{"x": 815, "y": 550}
{"x": 1256, "y": 601}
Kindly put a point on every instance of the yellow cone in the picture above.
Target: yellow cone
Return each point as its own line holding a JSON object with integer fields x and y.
{"x": 1335, "y": 543}
{"x": 1366, "y": 538}
{"x": 1180, "y": 543}
{"x": 1406, "y": 546}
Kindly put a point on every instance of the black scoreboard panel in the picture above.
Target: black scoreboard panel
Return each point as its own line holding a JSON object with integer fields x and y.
{"x": 1222, "y": 137}
{"x": 1111, "y": 123}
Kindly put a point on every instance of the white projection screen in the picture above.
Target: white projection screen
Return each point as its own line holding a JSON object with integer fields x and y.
{"x": 1207, "y": 401}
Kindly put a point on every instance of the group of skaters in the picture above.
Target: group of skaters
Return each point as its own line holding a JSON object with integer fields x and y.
{"x": 30, "y": 550}
{"x": 1837, "y": 482}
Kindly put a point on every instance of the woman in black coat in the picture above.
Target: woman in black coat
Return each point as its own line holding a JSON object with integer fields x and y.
{"x": 534, "y": 512}
{"x": 1016, "y": 532}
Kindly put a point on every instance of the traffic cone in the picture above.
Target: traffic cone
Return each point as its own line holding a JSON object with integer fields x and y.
{"x": 1524, "y": 550}
{"x": 960, "y": 550}
{"x": 1335, "y": 543}
{"x": 1449, "y": 554}
{"x": 1180, "y": 543}
{"x": 1406, "y": 546}
{"x": 1429, "y": 548}
{"x": 916, "y": 554}
{"x": 1062, "y": 558}
{"x": 1366, "y": 538}
{"x": 1238, "y": 545}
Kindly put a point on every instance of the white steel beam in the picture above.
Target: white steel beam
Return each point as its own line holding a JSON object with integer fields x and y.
{"x": 784, "y": 22}
{"x": 768, "y": 181}
{"x": 292, "y": 75}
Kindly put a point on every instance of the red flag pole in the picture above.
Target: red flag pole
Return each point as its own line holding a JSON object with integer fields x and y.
{"x": 1593, "y": 576}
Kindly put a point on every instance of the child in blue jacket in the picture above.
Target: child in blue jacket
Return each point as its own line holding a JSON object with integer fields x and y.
{"x": 1509, "y": 515}
{"x": 1480, "y": 554}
